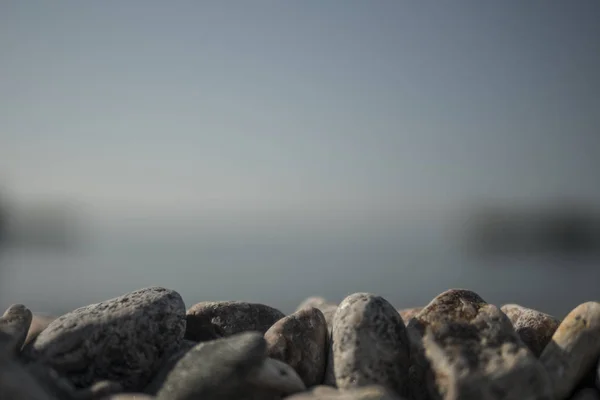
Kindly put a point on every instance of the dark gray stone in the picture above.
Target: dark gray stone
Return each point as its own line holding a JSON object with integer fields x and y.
{"x": 210, "y": 320}
{"x": 369, "y": 345}
{"x": 533, "y": 327}
{"x": 467, "y": 349}
{"x": 158, "y": 380}
{"x": 124, "y": 339}
{"x": 230, "y": 368}
{"x": 300, "y": 340}
{"x": 574, "y": 349}
{"x": 586, "y": 394}
{"x": 14, "y": 324}
{"x": 16, "y": 383}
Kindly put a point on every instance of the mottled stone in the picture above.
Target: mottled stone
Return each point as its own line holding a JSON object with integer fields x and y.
{"x": 128, "y": 396}
{"x": 39, "y": 322}
{"x": 370, "y": 392}
{"x": 14, "y": 324}
{"x": 408, "y": 313}
{"x": 124, "y": 339}
{"x": 209, "y": 320}
{"x": 300, "y": 340}
{"x": 158, "y": 380}
{"x": 586, "y": 394}
{"x": 369, "y": 345}
{"x": 328, "y": 309}
{"x": 574, "y": 349}
{"x": 225, "y": 368}
{"x": 468, "y": 350}
{"x": 533, "y": 327}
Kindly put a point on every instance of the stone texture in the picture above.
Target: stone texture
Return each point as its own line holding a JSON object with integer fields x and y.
{"x": 408, "y": 313}
{"x": 467, "y": 349}
{"x": 586, "y": 394}
{"x": 39, "y": 322}
{"x": 574, "y": 349}
{"x": 371, "y": 392}
{"x": 369, "y": 345}
{"x": 209, "y": 320}
{"x": 533, "y": 327}
{"x": 123, "y": 339}
{"x": 300, "y": 340}
{"x": 14, "y": 324}
{"x": 327, "y": 308}
{"x": 158, "y": 380}
{"x": 224, "y": 368}
{"x": 128, "y": 396}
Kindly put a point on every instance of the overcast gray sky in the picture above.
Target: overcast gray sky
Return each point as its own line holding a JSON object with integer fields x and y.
{"x": 303, "y": 106}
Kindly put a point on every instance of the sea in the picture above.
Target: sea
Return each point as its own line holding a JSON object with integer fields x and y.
{"x": 281, "y": 266}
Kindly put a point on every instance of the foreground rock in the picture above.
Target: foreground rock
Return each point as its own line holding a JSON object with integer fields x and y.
{"x": 226, "y": 368}
{"x": 533, "y": 327}
{"x": 574, "y": 349}
{"x": 300, "y": 340}
{"x": 468, "y": 350}
{"x": 372, "y": 392}
{"x": 158, "y": 380}
{"x": 369, "y": 345}
{"x": 123, "y": 339}
{"x": 586, "y": 394}
{"x": 16, "y": 383}
{"x": 14, "y": 325}
{"x": 211, "y": 320}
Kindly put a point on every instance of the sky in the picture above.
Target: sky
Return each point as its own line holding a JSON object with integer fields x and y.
{"x": 300, "y": 107}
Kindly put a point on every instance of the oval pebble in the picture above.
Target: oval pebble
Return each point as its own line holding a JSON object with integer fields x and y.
{"x": 123, "y": 339}
{"x": 300, "y": 340}
{"x": 369, "y": 345}
{"x": 213, "y": 319}
{"x": 470, "y": 351}
{"x": 327, "y": 308}
{"x": 574, "y": 349}
{"x": 533, "y": 327}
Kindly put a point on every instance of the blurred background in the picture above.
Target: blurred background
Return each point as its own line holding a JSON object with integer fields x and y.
{"x": 271, "y": 150}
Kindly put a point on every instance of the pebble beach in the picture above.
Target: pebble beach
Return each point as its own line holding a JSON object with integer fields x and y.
{"x": 147, "y": 344}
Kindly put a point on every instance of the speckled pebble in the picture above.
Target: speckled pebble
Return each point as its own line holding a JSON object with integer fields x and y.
{"x": 300, "y": 340}
{"x": 327, "y": 308}
{"x": 369, "y": 345}
{"x": 213, "y": 319}
{"x": 574, "y": 349}
{"x": 14, "y": 324}
{"x": 533, "y": 327}
{"x": 370, "y": 392}
{"x": 224, "y": 368}
{"x": 470, "y": 351}
{"x": 123, "y": 339}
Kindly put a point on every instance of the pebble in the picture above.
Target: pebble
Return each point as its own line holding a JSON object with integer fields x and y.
{"x": 327, "y": 308}
{"x": 533, "y": 327}
{"x": 224, "y": 368}
{"x": 14, "y": 324}
{"x": 408, "y": 313}
{"x": 300, "y": 340}
{"x": 369, "y": 345}
{"x": 470, "y": 351}
{"x": 123, "y": 339}
{"x": 16, "y": 383}
{"x": 574, "y": 349}
{"x": 213, "y": 319}
{"x": 158, "y": 380}
{"x": 128, "y": 396}
{"x": 38, "y": 324}
{"x": 371, "y": 392}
